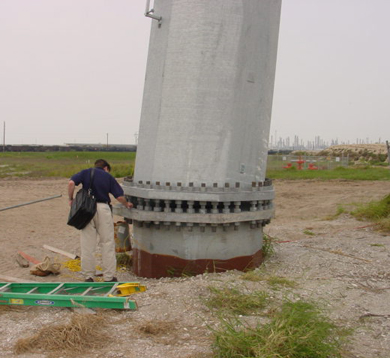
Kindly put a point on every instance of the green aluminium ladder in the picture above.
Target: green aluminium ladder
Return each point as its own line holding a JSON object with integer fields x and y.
{"x": 69, "y": 294}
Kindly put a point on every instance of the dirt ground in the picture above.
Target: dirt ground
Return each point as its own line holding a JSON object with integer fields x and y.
{"x": 343, "y": 263}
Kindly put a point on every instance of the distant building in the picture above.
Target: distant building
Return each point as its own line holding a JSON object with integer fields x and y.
{"x": 68, "y": 147}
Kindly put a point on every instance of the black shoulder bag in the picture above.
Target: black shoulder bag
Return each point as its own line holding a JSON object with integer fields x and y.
{"x": 83, "y": 207}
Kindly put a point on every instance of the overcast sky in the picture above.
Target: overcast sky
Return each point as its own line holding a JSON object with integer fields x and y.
{"x": 73, "y": 70}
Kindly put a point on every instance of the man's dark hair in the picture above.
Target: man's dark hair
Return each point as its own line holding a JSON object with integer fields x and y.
{"x": 101, "y": 163}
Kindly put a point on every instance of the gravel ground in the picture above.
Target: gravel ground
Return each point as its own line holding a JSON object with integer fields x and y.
{"x": 341, "y": 263}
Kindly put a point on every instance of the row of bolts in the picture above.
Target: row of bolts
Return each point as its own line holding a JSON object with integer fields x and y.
{"x": 203, "y": 187}
{"x": 255, "y": 205}
{"x": 253, "y": 224}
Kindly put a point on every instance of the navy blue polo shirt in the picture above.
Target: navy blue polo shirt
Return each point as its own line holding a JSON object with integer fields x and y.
{"x": 103, "y": 184}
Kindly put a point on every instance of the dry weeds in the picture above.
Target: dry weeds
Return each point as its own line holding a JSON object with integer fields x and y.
{"x": 164, "y": 332}
{"x": 83, "y": 332}
{"x": 6, "y": 308}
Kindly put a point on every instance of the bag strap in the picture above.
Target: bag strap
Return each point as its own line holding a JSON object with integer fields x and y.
{"x": 91, "y": 180}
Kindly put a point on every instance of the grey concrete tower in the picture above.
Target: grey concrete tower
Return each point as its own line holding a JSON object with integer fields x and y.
{"x": 199, "y": 188}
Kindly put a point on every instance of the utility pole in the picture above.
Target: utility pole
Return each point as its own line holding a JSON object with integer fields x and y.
{"x": 107, "y": 140}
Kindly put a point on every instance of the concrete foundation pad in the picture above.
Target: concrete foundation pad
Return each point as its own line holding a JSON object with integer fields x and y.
{"x": 156, "y": 266}
{"x": 169, "y": 251}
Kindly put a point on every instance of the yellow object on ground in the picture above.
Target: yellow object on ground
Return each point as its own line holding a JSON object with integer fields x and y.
{"x": 73, "y": 265}
{"x": 127, "y": 289}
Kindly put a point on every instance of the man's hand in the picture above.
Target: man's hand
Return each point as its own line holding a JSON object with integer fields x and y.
{"x": 129, "y": 205}
{"x": 124, "y": 202}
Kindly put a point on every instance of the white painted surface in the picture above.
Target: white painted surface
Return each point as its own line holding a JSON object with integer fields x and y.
{"x": 208, "y": 92}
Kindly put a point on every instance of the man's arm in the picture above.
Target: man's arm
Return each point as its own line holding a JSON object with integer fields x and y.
{"x": 71, "y": 186}
{"x": 124, "y": 202}
{"x": 117, "y": 192}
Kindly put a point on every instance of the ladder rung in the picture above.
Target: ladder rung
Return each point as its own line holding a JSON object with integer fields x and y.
{"x": 86, "y": 291}
{"x": 55, "y": 290}
{"x": 69, "y": 288}
{"x": 112, "y": 290}
{"x": 5, "y": 287}
{"x": 32, "y": 290}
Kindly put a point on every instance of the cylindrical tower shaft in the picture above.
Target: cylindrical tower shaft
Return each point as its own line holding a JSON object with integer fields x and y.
{"x": 199, "y": 186}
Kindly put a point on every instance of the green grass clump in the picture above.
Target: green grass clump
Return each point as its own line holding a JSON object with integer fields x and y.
{"x": 253, "y": 275}
{"x": 124, "y": 260}
{"x": 376, "y": 211}
{"x": 233, "y": 301}
{"x": 275, "y": 281}
{"x": 384, "y": 225}
{"x": 298, "y": 330}
{"x": 350, "y": 173}
{"x": 268, "y": 248}
{"x": 308, "y": 232}
{"x": 340, "y": 210}
{"x": 62, "y": 164}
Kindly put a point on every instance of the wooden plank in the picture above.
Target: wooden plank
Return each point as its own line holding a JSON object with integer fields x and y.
{"x": 29, "y": 258}
{"x": 14, "y": 279}
{"x": 59, "y": 251}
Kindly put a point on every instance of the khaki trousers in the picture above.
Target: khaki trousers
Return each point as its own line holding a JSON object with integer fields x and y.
{"x": 101, "y": 225}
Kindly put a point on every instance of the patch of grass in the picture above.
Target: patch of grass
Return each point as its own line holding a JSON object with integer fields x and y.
{"x": 233, "y": 301}
{"x": 308, "y": 232}
{"x": 375, "y": 211}
{"x": 297, "y": 330}
{"x": 62, "y": 164}
{"x": 253, "y": 275}
{"x": 280, "y": 281}
{"x": 384, "y": 225}
{"x": 274, "y": 281}
{"x": 268, "y": 248}
{"x": 124, "y": 260}
{"x": 350, "y": 173}
{"x": 340, "y": 210}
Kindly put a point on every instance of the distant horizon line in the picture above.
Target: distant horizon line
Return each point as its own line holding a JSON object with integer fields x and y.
{"x": 73, "y": 144}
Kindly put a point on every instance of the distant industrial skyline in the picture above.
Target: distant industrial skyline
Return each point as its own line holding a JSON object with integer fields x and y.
{"x": 293, "y": 142}
{"x": 296, "y": 143}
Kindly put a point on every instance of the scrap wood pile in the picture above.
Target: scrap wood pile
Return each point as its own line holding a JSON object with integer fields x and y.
{"x": 53, "y": 266}
{"x": 48, "y": 265}
{"x": 40, "y": 268}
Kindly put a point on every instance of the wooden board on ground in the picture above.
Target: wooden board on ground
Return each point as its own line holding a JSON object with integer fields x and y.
{"x": 29, "y": 258}
{"x": 59, "y": 251}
